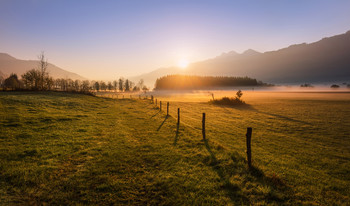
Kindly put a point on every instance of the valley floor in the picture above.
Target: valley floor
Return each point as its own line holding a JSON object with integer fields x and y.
{"x": 61, "y": 148}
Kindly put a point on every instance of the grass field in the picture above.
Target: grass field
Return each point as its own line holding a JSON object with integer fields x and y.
{"x": 59, "y": 148}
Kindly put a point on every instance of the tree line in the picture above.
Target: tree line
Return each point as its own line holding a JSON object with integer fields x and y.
{"x": 38, "y": 79}
{"x": 203, "y": 82}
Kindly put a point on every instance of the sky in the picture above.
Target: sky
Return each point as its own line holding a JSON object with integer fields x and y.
{"x": 107, "y": 39}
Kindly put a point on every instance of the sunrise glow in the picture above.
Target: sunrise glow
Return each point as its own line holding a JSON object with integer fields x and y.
{"x": 183, "y": 63}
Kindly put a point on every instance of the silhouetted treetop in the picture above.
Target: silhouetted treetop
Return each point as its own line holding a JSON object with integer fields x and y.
{"x": 203, "y": 82}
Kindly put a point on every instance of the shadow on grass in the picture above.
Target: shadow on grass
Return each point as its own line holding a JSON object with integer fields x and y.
{"x": 239, "y": 107}
{"x": 155, "y": 114}
{"x": 283, "y": 117}
{"x": 232, "y": 190}
{"x": 177, "y": 134}
{"x": 160, "y": 126}
{"x": 148, "y": 104}
{"x": 251, "y": 108}
{"x": 280, "y": 193}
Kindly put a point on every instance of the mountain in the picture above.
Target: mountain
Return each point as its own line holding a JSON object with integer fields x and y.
{"x": 326, "y": 60}
{"x": 9, "y": 64}
{"x": 322, "y": 61}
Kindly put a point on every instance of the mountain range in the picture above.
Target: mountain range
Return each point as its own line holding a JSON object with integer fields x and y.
{"x": 9, "y": 64}
{"x": 327, "y": 60}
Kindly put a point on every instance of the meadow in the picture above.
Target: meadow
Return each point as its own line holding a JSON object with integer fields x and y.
{"x": 61, "y": 148}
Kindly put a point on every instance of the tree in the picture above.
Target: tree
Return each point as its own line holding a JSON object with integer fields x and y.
{"x": 31, "y": 79}
{"x": 121, "y": 84}
{"x": 140, "y": 84}
{"x": 239, "y": 94}
{"x": 115, "y": 85}
{"x": 42, "y": 67}
{"x": 103, "y": 85}
{"x": 2, "y": 81}
{"x": 131, "y": 85}
{"x": 145, "y": 89}
{"x": 85, "y": 86}
{"x": 49, "y": 82}
{"x": 97, "y": 86}
{"x": 12, "y": 82}
{"x": 109, "y": 86}
{"x": 127, "y": 85}
{"x": 76, "y": 85}
{"x": 136, "y": 89}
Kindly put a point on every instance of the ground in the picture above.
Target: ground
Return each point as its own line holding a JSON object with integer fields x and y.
{"x": 61, "y": 148}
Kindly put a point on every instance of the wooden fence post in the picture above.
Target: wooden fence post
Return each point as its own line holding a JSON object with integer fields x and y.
{"x": 178, "y": 116}
{"x": 249, "y": 149}
{"x": 152, "y": 98}
{"x": 160, "y": 105}
{"x": 167, "y": 109}
{"x": 203, "y": 126}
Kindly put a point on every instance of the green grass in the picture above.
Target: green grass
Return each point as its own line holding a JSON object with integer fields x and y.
{"x": 60, "y": 148}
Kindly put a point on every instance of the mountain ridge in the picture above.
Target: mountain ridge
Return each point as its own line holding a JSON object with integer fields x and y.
{"x": 324, "y": 60}
{"x": 10, "y": 64}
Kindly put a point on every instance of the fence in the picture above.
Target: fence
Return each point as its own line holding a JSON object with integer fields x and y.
{"x": 155, "y": 101}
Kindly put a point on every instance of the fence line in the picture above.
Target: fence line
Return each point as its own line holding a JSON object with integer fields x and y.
{"x": 248, "y": 134}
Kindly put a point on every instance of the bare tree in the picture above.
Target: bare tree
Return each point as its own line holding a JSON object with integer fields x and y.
{"x": 140, "y": 84}
{"x": 43, "y": 70}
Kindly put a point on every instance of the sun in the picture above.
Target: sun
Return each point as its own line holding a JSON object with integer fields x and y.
{"x": 183, "y": 63}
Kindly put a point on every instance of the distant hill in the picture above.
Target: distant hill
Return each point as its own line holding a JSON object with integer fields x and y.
{"x": 9, "y": 64}
{"x": 326, "y": 60}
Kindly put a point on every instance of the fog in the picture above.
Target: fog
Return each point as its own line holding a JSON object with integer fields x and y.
{"x": 320, "y": 92}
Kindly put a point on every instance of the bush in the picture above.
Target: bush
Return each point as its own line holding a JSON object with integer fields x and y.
{"x": 306, "y": 85}
{"x": 230, "y": 101}
{"x": 334, "y": 86}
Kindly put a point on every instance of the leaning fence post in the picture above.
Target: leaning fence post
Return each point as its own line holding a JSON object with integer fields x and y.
{"x": 160, "y": 105}
{"x": 178, "y": 116}
{"x": 203, "y": 125}
{"x": 167, "y": 109}
{"x": 249, "y": 150}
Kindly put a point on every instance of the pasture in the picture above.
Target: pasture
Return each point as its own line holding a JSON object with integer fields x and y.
{"x": 61, "y": 148}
